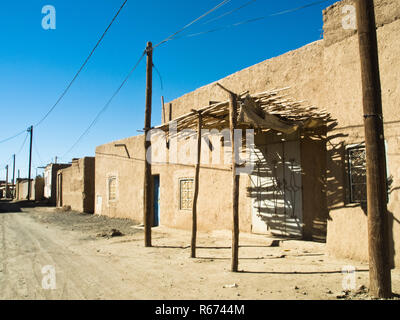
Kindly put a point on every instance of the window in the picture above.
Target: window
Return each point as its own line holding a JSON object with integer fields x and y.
{"x": 112, "y": 188}
{"x": 357, "y": 174}
{"x": 186, "y": 194}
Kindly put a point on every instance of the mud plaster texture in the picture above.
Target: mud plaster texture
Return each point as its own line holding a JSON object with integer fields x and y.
{"x": 325, "y": 73}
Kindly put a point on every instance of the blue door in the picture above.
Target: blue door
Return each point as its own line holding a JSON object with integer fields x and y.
{"x": 156, "y": 180}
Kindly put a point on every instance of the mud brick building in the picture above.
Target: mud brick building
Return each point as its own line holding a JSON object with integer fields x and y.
{"x": 309, "y": 183}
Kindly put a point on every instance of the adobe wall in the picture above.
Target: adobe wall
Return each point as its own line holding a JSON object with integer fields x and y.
{"x": 213, "y": 208}
{"x": 326, "y": 73}
{"x": 347, "y": 227}
{"x": 78, "y": 184}
{"x": 129, "y": 172}
{"x": 22, "y": 189}
{"x": 50, "y": 181}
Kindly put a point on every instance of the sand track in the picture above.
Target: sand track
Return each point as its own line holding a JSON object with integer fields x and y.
{"x": 91, "y": 266}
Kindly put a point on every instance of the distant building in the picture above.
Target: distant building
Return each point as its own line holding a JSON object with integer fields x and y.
{"x": 37, "y": 188}
{"x": 50, "y": 180}
{"x": 75, "y": 185}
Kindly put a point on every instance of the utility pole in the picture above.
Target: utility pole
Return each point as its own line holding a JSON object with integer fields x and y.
{"x": 55, "y": 160}
{"x": 235, "y": 183}
{"x": 30, "y": 130}
{"x": 13, "y": 177}
{"x": 378, "y": 244}
{"x": 6, "y": 182}
{"x": 147, "y": 193}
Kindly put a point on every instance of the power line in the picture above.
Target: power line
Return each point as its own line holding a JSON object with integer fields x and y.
{"x": 105, "y": 106}
{"x": 12, "y": 137}
{"x": 23, "y": 144}
{"x": 251, "y": 20}
{"x": 191, "y": 23}
{"x": 230, "y": 12}
{"x": 82, "y": 66}
{"x": 19, "y": 151}
{"x": 37, "y": 152}
{"x": 75, "y": 76}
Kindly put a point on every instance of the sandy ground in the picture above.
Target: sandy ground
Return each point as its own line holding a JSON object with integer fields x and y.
{"x": 90, "y": 264}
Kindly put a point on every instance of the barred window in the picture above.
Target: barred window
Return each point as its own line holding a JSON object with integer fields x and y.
{"x": 186, "y": 194}
{"x": 357, "y": 174}
{"x": 112, "y": 188}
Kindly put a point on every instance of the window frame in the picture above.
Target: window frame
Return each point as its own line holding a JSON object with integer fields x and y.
{"x": 109, "y": 179}
{"x": 349, "y": 148}
{"x": 180, "y": 193}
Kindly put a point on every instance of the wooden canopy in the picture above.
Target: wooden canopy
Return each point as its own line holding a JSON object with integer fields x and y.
{"x": 268, "y": 110}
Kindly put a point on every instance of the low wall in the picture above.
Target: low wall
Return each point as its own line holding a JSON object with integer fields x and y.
{"x": 78, "y": 185}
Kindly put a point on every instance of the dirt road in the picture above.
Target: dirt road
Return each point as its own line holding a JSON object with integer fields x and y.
{"x": 90, "y": 264}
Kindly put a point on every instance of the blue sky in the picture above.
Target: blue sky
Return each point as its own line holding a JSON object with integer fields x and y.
{"x": 36, "y": 64}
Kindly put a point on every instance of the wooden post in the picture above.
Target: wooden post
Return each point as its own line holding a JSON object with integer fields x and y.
{"x": 163, "y": 109}
{"x": 196, "y": 187}
{"x": 235, "y": 179}
{"x": 6, "y": 191}
{"x": 170, "y": 112}
{"x": 379, "y": 268}
{"x": 30, "y": 130}
{"x": 147, "y": 192}
{"x": 13, "y": 177}
{"x": 235, "y": 183}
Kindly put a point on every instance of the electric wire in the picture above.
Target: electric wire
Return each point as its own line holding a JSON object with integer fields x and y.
{"x": 251, "y": 20}
{"x": 82, "y": 66}
{"x": 230, "y": 12}
{"x": 37, "y": 152}
{"x": 75, "y": 76}
{"x": 159, "y": 75}
{"x": 12, "y": 137}
{"x": 105, "y": 106}
{"x": 23, "y": 144}
{"x": 191, "y": 23}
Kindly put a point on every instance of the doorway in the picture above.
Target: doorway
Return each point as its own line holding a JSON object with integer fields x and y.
{"x": 59, "y": 190}
{"x": 156, "y": 200}
{"x": 276, "y": 185}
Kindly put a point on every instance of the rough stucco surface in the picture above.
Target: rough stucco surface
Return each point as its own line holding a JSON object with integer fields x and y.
{"x": 50, "y": 175}
{"x": 37, "y": 189}
{"x": 78, "y": 185}
{"x": 386, "y": 11}
{"x": 326, "y": 73}
{"x": 113, "y": 161}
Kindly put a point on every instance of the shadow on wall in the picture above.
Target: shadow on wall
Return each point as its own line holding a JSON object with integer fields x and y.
{"x": 338, "y": 188}
{"x": 289, "y": 185}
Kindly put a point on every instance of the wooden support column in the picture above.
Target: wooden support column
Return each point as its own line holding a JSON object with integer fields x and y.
{"x": 235, "y": 179}
{"x": 196, "y": 187}
{"x": 147, "y": 191}
{"x": 378, "y": 243}
{"x": 163, "y": 109}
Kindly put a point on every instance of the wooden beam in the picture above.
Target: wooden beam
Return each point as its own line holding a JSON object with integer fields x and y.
{"x": 378, "y": 240}
{"x": 196, "y": 188}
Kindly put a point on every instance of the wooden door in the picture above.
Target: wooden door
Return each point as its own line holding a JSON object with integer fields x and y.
{"x": 276, "y": 190}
